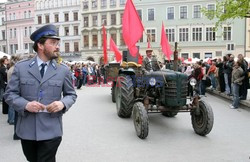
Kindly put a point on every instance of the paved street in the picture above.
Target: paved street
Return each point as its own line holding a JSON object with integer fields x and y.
{"x": 94, "y": 133}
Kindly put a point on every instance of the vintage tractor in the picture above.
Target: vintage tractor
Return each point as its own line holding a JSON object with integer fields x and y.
{"x": 137, "y": 93}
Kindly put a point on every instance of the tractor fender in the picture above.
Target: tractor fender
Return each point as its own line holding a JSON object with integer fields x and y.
{"x": 129, "y": 71}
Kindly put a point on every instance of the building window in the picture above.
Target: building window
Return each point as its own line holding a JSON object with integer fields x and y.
{"x": 122, "y": 43}
{"x": 122, "y": 2}
{"x": 39, "y": 19}
{"x": 15, "y": 33}
{"x": 10, "y": 33}
{"x": 121, "y": 16}
{"x": 29, "y": 14}
{"x": 94, "y": 3}
{"x": 210, "y": 34}
{"x": 211, "y": 7}
{"x": 16, "y": 47}
{"x": 227, "y": 33}
{"x": 103, "y": 3}
{"x": 76, "y": 46}
{"x": 151, "y": 35}
{"x": 230, "y": 47}
{"x": 75, "y": 30}
{"x": 141, "y": 40}
{"x": 3, "y": 34}
{"x": 24, "y": 14}
{"x": 208, "y": 55}
{"x": 170, "y": 13}
{"x": 151, "y": 14}
{"x": 11, "y": 49}
{"x": 56, "y": 18}
{"x": 75, "y": 16}
{"x": 197, "y": 11}
{"x": 197, "y": 34}
{"x": 85, "y": 5}
{"x": 94, "y": 20}
{"x": 46, "y": 19}
{"x": 57, "y": 30}
{"x": 66, "y": 16}
{"x": 86, "y": 21}
{"x": 14, "y": 16}
{"x": 184, "y": 55}
{"x": 94, "y": 40}
{"x": 113, "y": 36}
{"x": 104, "y": 19}
{"x": 25, "y": 32}
{"x": 26, "y": 46}
{"x": 10, "y": 16}
{"x": 183, "y": 34}
{"x": 66, "y": 47}
{"x": 112, "y": 3}
{"x": 66, "y": 31}
{"x": 30, "y": 30}
{"x": 113, "y": 19}
{"x": 86, "y": 40}
{"x": 139, "y": 13}
{"x": 218, "y": 53}
{"x": 183, "y": 12}
{"x": 196, "y": 55}
{"x": 170, "y": 35}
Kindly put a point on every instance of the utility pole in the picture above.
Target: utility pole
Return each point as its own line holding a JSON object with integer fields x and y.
{"x": 175, "y": 57}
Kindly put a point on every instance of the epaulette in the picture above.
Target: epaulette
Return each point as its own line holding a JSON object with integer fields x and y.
{"x": 24, "y": 60}
{"x": 63, "y": 64}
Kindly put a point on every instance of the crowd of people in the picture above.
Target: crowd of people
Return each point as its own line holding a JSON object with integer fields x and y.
{"x": 227, "y": 76}
{"x": 87, "y": 74}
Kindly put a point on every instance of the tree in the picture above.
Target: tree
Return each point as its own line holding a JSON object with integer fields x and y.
{"x": 228, "y": 9}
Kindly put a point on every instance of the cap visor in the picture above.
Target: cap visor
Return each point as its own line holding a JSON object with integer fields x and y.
{"x": 52, "y": 37}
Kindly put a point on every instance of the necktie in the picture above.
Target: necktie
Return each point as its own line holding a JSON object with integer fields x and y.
{"x": 42, "y": 69}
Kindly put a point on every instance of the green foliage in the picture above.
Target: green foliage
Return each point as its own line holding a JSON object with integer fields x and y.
{"x": 228, "y": 10}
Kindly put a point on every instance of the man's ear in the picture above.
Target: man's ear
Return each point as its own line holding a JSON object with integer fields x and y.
{"x": 40, "y": 46}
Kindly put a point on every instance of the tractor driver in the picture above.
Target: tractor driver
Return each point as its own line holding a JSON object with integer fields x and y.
{"x": 150, "y": 62}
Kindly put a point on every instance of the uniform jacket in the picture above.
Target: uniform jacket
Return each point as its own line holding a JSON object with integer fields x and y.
{"x": 27, "y": 85}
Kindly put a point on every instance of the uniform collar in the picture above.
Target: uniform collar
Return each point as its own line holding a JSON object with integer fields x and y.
{"x": 39, "y": 61}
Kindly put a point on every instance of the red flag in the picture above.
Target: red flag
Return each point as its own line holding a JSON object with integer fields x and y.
{"x": 113, "y": 47}
{"x": 132, "y": 28}
{"x": 164, "y": 44}
{"x": 105, "y": 55}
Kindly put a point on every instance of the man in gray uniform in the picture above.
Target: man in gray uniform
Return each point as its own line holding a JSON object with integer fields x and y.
{"x": 41, "y": 91}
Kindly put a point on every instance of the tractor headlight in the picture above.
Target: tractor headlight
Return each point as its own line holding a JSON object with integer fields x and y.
{"x": 193, "y": 81}
{"x": 152, "y": 81}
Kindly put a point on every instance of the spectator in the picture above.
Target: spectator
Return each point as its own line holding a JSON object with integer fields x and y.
{"x": 236, "y": 82}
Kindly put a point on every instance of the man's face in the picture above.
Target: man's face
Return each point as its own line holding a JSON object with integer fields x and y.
{"x": 51, "y": 49}
{"x": 149, "y": 54}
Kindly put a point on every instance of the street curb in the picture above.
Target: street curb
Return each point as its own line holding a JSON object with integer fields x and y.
{"x": 242, "y": 102}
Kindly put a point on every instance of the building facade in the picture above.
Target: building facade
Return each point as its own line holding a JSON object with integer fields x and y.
{"x": 20, "y": 25}
{"x": 65, "y": 15}
{"x": 184, "y": 24}
{"x": 3, "y": 39}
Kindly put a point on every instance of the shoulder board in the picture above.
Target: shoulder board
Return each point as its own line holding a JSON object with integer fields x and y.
{"x": 63, "y": 64}
{"x": 24, "y": 60}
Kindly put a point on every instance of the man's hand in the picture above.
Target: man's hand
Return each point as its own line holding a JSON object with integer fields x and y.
{"x": 55, "y": 106}
{"x": 34, "y": 106}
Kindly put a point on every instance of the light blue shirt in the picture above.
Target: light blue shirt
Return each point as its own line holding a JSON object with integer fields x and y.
{"x": 39, "y": 63}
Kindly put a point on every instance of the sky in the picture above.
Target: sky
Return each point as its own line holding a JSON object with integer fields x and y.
{"x": 1, "y": 1}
